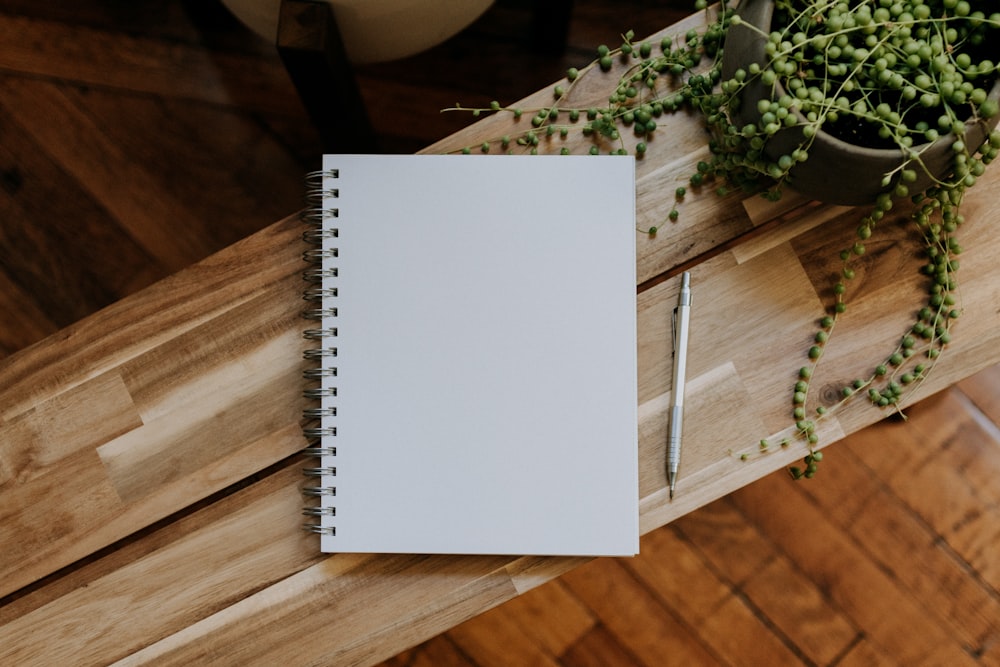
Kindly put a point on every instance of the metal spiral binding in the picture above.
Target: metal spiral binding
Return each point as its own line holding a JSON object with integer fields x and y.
{"x": 320, "y": 234}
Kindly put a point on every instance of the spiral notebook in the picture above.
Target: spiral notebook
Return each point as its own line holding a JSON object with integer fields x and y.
{"x": 474, "y": 369}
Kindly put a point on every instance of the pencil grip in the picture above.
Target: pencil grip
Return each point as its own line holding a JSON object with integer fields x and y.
{"x": 674, "y": 435}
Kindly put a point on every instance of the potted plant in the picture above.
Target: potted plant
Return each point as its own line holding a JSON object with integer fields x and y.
{"x": 902, "y": 94}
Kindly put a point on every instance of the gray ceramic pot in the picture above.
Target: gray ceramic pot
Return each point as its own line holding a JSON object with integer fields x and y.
{"x": 836, "y": 171}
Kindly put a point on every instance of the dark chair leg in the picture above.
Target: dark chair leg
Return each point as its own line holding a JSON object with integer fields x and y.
{"x": 311, "y": 49}
{"x": 550, "y": 26}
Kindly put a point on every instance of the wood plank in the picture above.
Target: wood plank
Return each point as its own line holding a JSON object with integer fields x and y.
{"x": 49, "y": 252}
{"x": 84, "y": 146}
{"x": 897, "y": 538}
{"x": 221, "y": 156}
{"x": 786, "y": 598}
{"x": 730, "y": 626}
{"x": 24, "y": 321}
{"x": 537, "y": 627}
{"x": 100, "y": 58}
{"x": 726, "y": 540}
{"x": 635, "y": 617}
{"x": 865, "y": 654}
{"x": 892, "y": 619}
{"x": 498, "y": 639}
{"x": 981, "y": 389}
{"x": 48, "y": 540}
{"x": 209, "y": 26}
{"x": 228, "y": 562}
{"x": 129, "y": 328}
{"x": 35, "y": 529}
{"x": 167, "y": 449}
{"x": 134, "y": 472}
{"x": 798, "y": 611}
{"x": 39, "y": 441}
{"x": 106, "y": 627}
{"x": 342, "y": 628}
{"x": 599, "y": 22}
{"x": 719, "y": 613}
{"x": 549, "y": 617}
{"x": 944, "y": 470}
{"x": 599, "y": 648}
{"x": 437, "y": 652}
{"x": 672, "y": 569}
{"x": 787, "y": 617}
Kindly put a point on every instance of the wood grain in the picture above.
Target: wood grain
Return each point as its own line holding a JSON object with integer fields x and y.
{"x": 836, "y": 569}
{"x": 170, "y": 417}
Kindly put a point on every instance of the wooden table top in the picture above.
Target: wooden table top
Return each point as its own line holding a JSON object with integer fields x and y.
{"x": 149, "y": 455}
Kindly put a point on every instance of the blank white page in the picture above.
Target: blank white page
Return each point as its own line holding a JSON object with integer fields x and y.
{"x": 486, "y": 355}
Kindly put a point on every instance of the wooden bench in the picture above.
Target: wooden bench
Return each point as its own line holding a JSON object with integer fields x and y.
{"x": 149, "y": 468}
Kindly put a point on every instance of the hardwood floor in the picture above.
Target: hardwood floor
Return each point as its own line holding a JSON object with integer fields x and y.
{"x": 137, "y": 138}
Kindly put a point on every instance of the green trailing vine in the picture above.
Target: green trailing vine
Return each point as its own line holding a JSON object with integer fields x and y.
{"x": 902, "y": 74}
{"x": 660, "y": 79}
{"x": 937, "y": 219}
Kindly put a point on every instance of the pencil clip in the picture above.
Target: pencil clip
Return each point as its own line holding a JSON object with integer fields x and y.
{"x": 673, "y": 330}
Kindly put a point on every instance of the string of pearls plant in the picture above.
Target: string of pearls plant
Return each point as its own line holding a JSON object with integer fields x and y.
{"x": 912, "y": 76}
